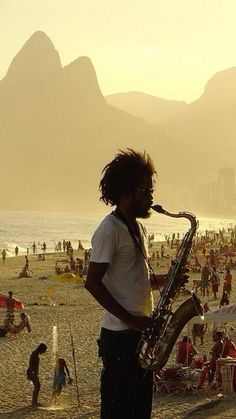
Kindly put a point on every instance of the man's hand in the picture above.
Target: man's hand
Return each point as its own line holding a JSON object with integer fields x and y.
{"x": 183, "y": 276}
{"x": 139, "y": 323}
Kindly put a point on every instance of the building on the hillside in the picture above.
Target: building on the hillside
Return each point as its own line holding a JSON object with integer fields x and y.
{"x": 222, "y": 193}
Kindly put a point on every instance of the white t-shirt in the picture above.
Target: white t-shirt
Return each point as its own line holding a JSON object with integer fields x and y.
{"x": 127, "y": 277}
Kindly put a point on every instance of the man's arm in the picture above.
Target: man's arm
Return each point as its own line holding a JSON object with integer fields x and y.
{"x": 66, "y": 368}
{"x": 94, "y": 285}
{"x": 33, "y": 363}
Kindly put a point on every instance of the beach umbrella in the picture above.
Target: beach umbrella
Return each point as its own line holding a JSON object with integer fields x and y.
{"x": 223, "y": 315}
{"x": 69, "y": 277}
{"x": 18, "y": 305}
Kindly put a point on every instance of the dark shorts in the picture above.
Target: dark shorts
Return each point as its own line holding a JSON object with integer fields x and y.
{"x": 126, "y": 388}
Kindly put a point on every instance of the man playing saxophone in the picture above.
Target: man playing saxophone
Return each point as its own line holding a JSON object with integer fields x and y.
{"x": 119, "y": 279}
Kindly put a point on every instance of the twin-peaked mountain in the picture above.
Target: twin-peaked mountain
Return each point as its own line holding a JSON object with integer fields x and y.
{"x": 57, "y": 132}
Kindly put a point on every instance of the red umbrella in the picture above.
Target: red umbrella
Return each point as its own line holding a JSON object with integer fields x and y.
{"x": 18, "y": 305}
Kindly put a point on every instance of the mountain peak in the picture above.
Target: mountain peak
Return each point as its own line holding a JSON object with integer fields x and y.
{"x": 81, "y": 75}
{"x": 36, "y": 61}
{"x": 221, "y": 88}
{"x": 39, "y": 38}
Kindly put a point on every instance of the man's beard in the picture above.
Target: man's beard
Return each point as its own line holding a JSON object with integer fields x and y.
{"x": 141, "y": 212}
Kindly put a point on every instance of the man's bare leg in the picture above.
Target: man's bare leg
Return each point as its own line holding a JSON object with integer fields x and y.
{"x": 37, "y": 386}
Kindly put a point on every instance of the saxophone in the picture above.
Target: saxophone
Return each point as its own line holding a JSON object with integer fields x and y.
{"x": 157, "y": 341}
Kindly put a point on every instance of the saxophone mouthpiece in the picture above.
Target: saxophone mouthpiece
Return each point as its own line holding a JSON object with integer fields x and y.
{"x": 158, "y": 208}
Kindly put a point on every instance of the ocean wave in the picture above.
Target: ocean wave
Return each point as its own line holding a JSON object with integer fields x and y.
{"x": 51, "y": 228}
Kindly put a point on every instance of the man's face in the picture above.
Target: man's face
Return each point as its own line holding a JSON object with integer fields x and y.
{"x": 142, "y": 198}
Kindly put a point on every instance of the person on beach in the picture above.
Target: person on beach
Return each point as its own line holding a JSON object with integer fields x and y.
{"x": 26, "y": 272}
{"x": 215, "y": 282}
{"x": 33, "y": 372}
{"x": 34, "y": 247}
{"x": 185, "y": 352}
{"x": 79, "y": 267}
{"x": 60, "y": 379}
{"x": 209, "y": 367}
{"x": 205, "y": 280}
{"x": 162, "y": 251}
{"x": 58, "y": 270}
{"x": 227, "y": 282}
{"x": 44, "y": 247}
{"x": 26, "y": 261}
{"x": 10, "y": 305}
{"x": 224, "y": 299}
{"x": 16, "y": 250}
{"x": 229, "y": 348}
{"x": 119, "y": 279}
{"x": 72, "y": 264}
{"x": 4, "y": 255}
{"x": 67, "y": 269}
{"x": 24, "y": 323}
{"x": 206, "y": 308}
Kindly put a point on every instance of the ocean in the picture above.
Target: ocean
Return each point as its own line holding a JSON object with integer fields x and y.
{"x": 23, "y": 228}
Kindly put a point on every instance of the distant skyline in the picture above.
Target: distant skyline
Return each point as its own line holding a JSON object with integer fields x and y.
{"x": 167, "y": 48}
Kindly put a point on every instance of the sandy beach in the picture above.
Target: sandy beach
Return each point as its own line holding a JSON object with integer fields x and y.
{"x": 72, "y": 302}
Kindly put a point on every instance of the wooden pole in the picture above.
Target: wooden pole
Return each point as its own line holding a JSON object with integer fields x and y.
{"x": 73, "y": 355}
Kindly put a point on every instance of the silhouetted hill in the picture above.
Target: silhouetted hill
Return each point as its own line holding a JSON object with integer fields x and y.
{"x": 57, "y": 132}
{"x": 209, "y": 122}
{"x": 221, "y": 88}
{"x": 153, "y": 109}
{"x": 208, "y": 125}
{"x": 37, "y": 60}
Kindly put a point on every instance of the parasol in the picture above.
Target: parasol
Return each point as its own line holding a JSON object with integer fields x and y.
{"x": 222, "y": 315}
{"x": 69, "y": 277}
{"x": 18, "y": 305}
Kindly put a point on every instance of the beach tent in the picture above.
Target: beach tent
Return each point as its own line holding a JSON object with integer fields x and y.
{"x": 223, "y": 314}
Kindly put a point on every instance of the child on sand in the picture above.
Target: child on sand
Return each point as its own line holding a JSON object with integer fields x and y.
{"x": 60, "y": 379}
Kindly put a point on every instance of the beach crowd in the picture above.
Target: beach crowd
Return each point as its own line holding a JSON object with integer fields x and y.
{"x": 212, "y": 259}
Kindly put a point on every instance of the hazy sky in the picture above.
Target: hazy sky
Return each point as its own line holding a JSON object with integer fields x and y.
{"x": 168, "y": 48}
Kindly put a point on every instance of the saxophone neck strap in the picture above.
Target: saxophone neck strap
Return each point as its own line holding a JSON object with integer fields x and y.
{"x": 118, "y": 214}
